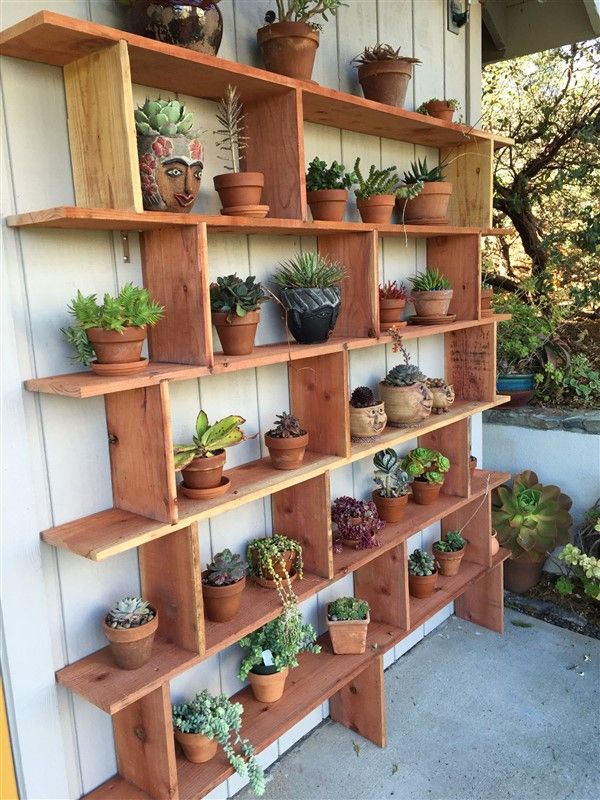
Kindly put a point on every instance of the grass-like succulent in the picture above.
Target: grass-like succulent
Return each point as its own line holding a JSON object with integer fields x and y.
{"x": 421, "y": 563}
{"x": 363, "y": 397}
{"x": 164, "y": 117}
{"x": 309, "y": 270}
{"x": 389, "y": 475}
{"x": 225, "y": 569}
{"x": 209, "y": 439}
{"x": 428, "y": 465}
{"x": 377, "y": 182}
{"x": 431, "y": 280}
{"x": 392, "y": 290}
{"x": 382, "y": 52}
{"x": 347, "y": 608}
{"x": 320, "y": 176}
{"x": 236, "y": 297}
{"x": 451, "y": 543}
{"x": 287, "y": 426}
{"x": 130, "y": 612}
{"x": 421, "y": 173}
{"x": 232, "y": 141}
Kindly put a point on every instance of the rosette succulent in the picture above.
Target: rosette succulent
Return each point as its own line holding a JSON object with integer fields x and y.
{"x": 165, "y": 117}
{"x": 130, "y": 612}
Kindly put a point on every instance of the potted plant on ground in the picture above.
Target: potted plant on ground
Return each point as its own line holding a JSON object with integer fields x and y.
{"x": 273, "y": 650}
{"x": 441, "y": 109}
{"x": 286, "y": 442}
{"x": 347, "y": 621}
{"x": 394, "y": 486}
{"x": 392, "y": 300}
{"x": 356, "y": 523}
{"x": 130, "y": 627}
{"x": 239, "y": 191}
{"x": 430, "y": 206}
{"x": 274, "y": 562}
{"x": 384, "y": 74}
{"x": 443, "y": 395}
{"x": 431, "y": 295}
{"x": 235, "y": 308}
{"x": 427, "y": 469}
{"x": 194, "y": 24}
{"x": 288, "y": 42}
{"x": 422, "y": 574}
{"x": 327, "y": 189}
{"x": 170, "y": 156}
{"x": 201, "y": 462}
{"x": 376, "y": 194}
{"x": 114, "y": 331}
{"x": 309, "y": 291}
{"x": 223, "y": 582}
{"x": 448, "y": 553}
{"x": 367, "y": 415}
{"x": 207, "y": 721}
{"x": 405, "y": 394}
{"x": 531, "y": 520}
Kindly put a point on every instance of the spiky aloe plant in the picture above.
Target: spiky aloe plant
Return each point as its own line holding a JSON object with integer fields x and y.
{"x": 209, "y": 439}
{"x": 431, "y": 280}
{"x": 382, "y": 52}
{"x": 420, "y": 172}
{"x": 233, "y": 141}
{"x": 309, "y": 270}
{"x": 164, "y": 117}
{"x": 531, "y": 519}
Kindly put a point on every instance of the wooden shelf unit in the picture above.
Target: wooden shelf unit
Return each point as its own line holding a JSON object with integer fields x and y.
{"x": 99, "y": 66}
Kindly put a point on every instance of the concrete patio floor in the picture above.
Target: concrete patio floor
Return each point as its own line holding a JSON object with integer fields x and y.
{"x": 471, "y": 716}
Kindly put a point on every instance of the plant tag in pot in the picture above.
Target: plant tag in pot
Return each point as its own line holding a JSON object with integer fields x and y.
{"x": 267, "y": 657}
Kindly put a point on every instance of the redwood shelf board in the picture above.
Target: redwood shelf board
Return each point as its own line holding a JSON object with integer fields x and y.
{"x": 116, "y": 788}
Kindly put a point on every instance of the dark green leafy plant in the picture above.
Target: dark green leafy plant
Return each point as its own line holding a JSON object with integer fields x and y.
{"x": 377, "y": 182}
{"x": 425, "y": 464}
{"x": 382, "y": 52}
{"x": 309, "y": 270}
{"x": 287, "y": 426}
{"x": 347, "y": 608}
{"x": 420, "y": 172}
{"x": 452, "y": 543}
{"x": 130, "y": 612}
{"x": 236, "y": 297}
{"x": 303, "y": 11}
{"x": 576, "y": 381}
{"x": 420, "y": 563}
{"x": 430, "y": 281}
{"x": 209, "y": 439}
{"x": 520, "y": 339}
{"x": 225, "y": 569}
{"x": 320, "y": 176}
{"x": 392, "y": 480}
{"x": 233, "y": 141}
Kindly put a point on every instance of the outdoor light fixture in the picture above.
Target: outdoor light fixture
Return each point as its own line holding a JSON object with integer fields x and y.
{"x": 458, "y": 14}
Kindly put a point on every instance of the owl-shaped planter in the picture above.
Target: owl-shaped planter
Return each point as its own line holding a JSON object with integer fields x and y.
{"x": 367, "y": 423}
{"x": 443, "y": 395}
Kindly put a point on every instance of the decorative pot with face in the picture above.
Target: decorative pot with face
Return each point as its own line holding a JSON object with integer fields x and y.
{"x": 367, "y": 423}
{"x": 170, "y": 170}
{"x": 443, "y": 395}
{"x": 195, "y": 24}
{"x": 405, "y": 405}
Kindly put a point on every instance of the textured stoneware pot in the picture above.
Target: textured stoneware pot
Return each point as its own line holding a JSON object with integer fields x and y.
{"x": 289, "y": 48}
{"x": 448, "y": 563}
{"x": 197, "y": 747}
{"x": 268, "y": 688}
{"x": 433, "y": 303}
{"x": 422, "y": 585}
{"x": 431, "y": 204}
{"x": 377, "y": 209}
{"x": 236, "y": 336}
{"x": 287, "y": 453}
{"x": 112, "y": 347}
{"x": 311, "y": 313}
{"x": 170, "y": 171}
{"x": 348, "y": 636}
{"x": 386, "y": 81}
{"x": 486, "y": 302}
{"x": 328, "y": 204}
{"x": 131, "y": 648}
{"x": 390, "y": 311}
{"x": 494, "y": 543}
{"x": 521, "y": 575}
{"x": 440, "y": 110}
{"x": 367, "y": 423}
{"x": 443, "y": 397}
{"x": 239, "y": 188}
{"x": 405, "y": 405}
{"x": 425, "y": 493}
{"x": 222, "y": 603}
{"x": 194, "y": 24}
{"x": 391, "y": 509}
{"x": 204, "y": 473}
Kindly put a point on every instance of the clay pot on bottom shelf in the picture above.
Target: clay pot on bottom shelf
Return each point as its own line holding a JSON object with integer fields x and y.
{"x": 287, "y": 453}
{"x": 131, "y": 648}
{"x": 390, "y": 509}
{"x": 377, "y": 209}
{"x": 431, "y": 205}
{"x": 328, "y": 204}
{"x": 197, "y": 748}
{"x": 486, "y": 303}
{"x": 521, "y": 388}
{"x": 434, "y": 303}
{"x": 222, "y": 603}
{"x": 521, "y": 575}
{"x": 367, "y": 423}
{"x": 440, "y": 110}
{"x": 240, "y": 189}
{"x": 268, "y": 688}
{"x": 236, "y": 336}
{"x": 204, "y": 473}
{"x": 405, "y": 405}
{"x": 289, "y": 48}
{"x": 422, "y": 585}
{"x": 425, "y": 493}
{"x": 118, "y": 353}
{"x": 448, "y": 563}
{"x": 494, "y": 544}
{"x": 390, "y": 311}
{"x": 386, "y": 81}
{"x": 348, "y": 636}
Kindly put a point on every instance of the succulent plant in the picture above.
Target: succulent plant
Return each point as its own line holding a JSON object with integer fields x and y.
{"x": 363, "y": 397}
{"x": 303, "y": 11}
{"x": 436, "y": 383}
{"x": 392, "y": 290}
{"x": 451, "y": 543}
{"x": 531, "y": 518}
{"x": 420, "y": 563}
{"x": 357, "y": 520}
{"x": 230, "y": 116}
{"x": 320, "y": 176}
{"x": 420, "y": 172}
{"x": 392, "y": 480}
{"x": 430, "y": 281}
{"x": 377, "y": 182}
{"x": 209, "y": 439}
{"x": 347, "y": 608}
{"x": 225, "y": 569}
{"x": 429, "y": 465}
{"x": 236, "y": 297}
{"x": 130, "y": 612}
{"x": 404, "y": 375}
{"x": 382, "y": 52}
{"x": 267, "y": 559}
{"x": 287, "y": 426}
{"x": 309, "y": 270}
{"x": 164, "y": 117}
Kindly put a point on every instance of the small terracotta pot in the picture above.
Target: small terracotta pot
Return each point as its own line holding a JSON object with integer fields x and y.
{"x": 287, "y": 453}
{"x": 197, "y": 747}
{"x": 236, "y": 337}
{"x": 425, "y": 493}
{"x": 448, "y": 563}
{"x": 112, "y": 347}
{"x": 430, "y": 205}
{"x": 521, "y": 575}
{"x": 367, "y": 423}
{"x": 349, "y": 635}
{"x": 377, "y": 209}
{"x": 422, "y": 585}
{"x": 405, "y": 405}
{"x": 268, "y": 688}
{"x": 222, "y": 603}
{"x": 486, "y": 303}
{"x": 472, "y": 464}
{"x": 289, "y": 48}
{"x": 390, "y": 311}
{"x": 494, "y": 543}
{"x": 386, "y": 81}
{"x": 328, "y": 204}
{"x": 432, "y": 304}
{"x": 391, "y": 509}
{"x": 131, "y": 648}
{"x": 204, "y": 473}
{"x": 239, "y": 188}
{"x": 440, "y": 110}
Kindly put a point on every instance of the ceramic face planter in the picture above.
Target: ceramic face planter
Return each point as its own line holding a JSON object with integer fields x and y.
{"x": 443, "y": 395}
{"x": 195, "y": 24}
{"x": 170, "y": 169}
{"x": 367, "y": 423}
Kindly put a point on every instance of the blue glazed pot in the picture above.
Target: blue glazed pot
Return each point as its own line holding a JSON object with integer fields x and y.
{"x": 520, "y": 387}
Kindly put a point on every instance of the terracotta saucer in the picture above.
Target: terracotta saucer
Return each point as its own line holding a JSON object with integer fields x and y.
{"x": 245, "y": 211}
{"x": 128, "y": 368}
{"x": 207, "y": 494}
{"x": 437, "y": 320}
{"x": 268, "y": 583}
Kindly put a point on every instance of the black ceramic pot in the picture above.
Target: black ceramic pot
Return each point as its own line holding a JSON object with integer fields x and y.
{"x": 311, "y": 313}
{"x": 195, "y": 24}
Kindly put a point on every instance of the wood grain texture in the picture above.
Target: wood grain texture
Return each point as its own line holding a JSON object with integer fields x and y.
{"x": 459, "y": 258}
{"x": 475, "y": 521}
{"x": 483, "y": 601}
{"x": 469, "y": 167}
{"x": 141, "y": 452}
{"x": 471, "y": 363}
{"x": 99, "y": 105}
{"x": 382, "y": 583}
{"x": 360, "y": 704}
{"x": 454, "y": 441}
{"x": 117, "y": 788}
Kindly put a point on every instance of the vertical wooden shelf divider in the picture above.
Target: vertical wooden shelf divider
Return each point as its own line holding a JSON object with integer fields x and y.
{"x": 476, "y": 518}
{"x": 383, "y": 583}
{"x": 469, "y": 167}
{"x": 360, "y": 705}
{"x": 454, "y": 442}
{"x": 470, "y": 360}
{"x": 483, "y": 601}
{"x": 458, "y": 258}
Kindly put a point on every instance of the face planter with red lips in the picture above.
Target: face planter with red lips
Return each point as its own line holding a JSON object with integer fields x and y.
{"x": 170, "y": 170}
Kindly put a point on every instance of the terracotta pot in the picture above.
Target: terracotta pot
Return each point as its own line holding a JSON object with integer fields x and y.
{"x": 206, "y": 494}
{"x": 440, "y": 110}
{"x": 390, "y": 311}
{"x": 425, "y": 493}
{"x": 112, "y": 347}
{"x": 237, "y": 336}
{"x": 430, "y": 205}
{"x": 197, "y": 747}
{"x": 486, "y": 302}
{"x": 131, "y": 648}
{"x": 472, "y": 464}
{"x": 377, "y": 209}
{"x": 196, "y": 25}
{"x": 289, "y": 48}
{"x": 521, "y": 575}
{"x": 239, "y": 188}
{"x": 204, "y": 473}
{"x": 494, "y": 543}
{"x": 222, "y": 603}
{"x": 448, "y": 563}
{"x": 348, "y": 636}
{"x": 287, "y": 453}
{"x": 268, "y": 688}
{"x": 391, "y": 509}
{"x": 406, "y": 404}
{"x": 432, "y": 304}
{"x": 422, "y": 585}
{"x": 367, "y": 423}
{"x": 386, "y": 81}
{"x": 289, "y": 560}
{"x": 328, "y": 204}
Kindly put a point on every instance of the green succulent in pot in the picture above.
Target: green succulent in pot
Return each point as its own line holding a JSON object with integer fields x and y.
{"x": 422, "y": 574}
{"x": 427, "y": 468}
{"x": 393, "y": 484}
{"x": 275, "y": 561}
{"x": 130, "y": 627}
{"x": 431, "y": 294}
{"x": 235, "y": 306}
{"x": 327, "y": 189}
{"x": 431, "y": 204}
{"x": 405, "y": 394}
